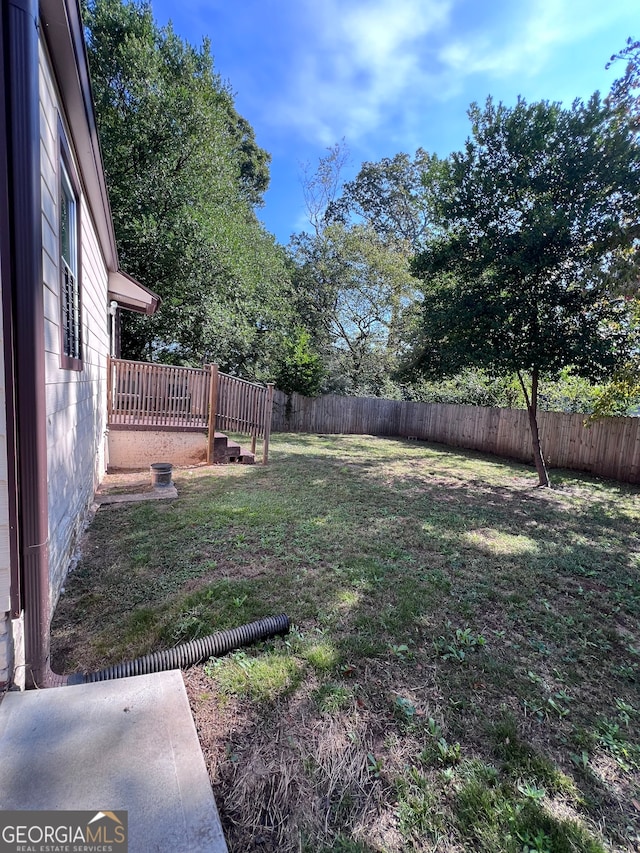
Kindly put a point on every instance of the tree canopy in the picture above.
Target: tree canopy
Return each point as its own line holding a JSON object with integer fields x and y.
{"x": 622, "y": 393}
{"x": 352, "y": 289}
{"x": 625, "y": 91}
{"x": 351, "y": 284}
{"x": 539, "y": 217}
{"x": 394, "y": 196}
{"x": 184, "y": 174}
{"x": 525, "y": 243}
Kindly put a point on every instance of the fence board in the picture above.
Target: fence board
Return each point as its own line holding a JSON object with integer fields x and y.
{"x": 609, "y": 448}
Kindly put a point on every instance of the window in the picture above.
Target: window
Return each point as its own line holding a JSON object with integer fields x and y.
{"x": 70, "y": 307}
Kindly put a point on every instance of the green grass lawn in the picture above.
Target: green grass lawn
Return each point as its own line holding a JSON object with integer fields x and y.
{"x": 464, "y": 669}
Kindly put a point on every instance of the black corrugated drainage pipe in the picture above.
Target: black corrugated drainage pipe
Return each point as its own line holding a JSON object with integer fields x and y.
{"x": 188, "y": 654}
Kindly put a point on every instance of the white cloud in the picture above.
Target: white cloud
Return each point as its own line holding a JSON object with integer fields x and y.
{"x": 361, "y": 66}
{"x": 524, "y": 45}
{"x": 365, "y": 56}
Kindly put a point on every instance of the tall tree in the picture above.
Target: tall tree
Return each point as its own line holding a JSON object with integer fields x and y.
{"x": 352, "y": 289}
{"x": 394, "y": 196}
{"x": 351, "y": 286}
{"x": 622, "y": 393}
{"x": 540, "y": 215}
{"x": 184, "y": 173}
{"x": 625, "y": 91}
{"x": 320, "y": 186}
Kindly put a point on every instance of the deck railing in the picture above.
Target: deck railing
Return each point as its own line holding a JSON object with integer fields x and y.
{"x": 157, "y": 395}
{"x": 141, "y": 394}
{"x": 243, "y": 407}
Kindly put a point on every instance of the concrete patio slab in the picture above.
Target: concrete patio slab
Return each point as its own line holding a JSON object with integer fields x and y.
{"x": 126, "y": 744}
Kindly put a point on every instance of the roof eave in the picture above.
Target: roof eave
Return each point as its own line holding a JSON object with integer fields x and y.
{"x": 130, "y": 294}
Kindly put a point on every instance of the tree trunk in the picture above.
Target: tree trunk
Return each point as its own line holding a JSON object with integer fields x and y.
{"x": 541, "y": 468}
{"x": 532, "y": 411}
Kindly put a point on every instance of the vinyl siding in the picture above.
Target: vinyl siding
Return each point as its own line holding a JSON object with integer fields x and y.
{"x": 6, "y": 651}
{"x": 76, "y": 400}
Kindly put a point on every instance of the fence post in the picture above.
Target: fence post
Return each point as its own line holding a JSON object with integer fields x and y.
{"x": 213, "y": 405}
{"x": 268, "y": 408}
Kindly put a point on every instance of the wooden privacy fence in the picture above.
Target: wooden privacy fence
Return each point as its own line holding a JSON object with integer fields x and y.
{"x": 146, "y": 396}
{"x": 609, "y": 448}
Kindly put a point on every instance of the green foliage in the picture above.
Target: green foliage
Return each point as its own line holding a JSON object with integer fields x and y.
{"x": 404, "y": 709}
{"x": 470, "y": 387}
{"x": 394, "y": 196}
{"x": 322, "y": 656}
{"x": 184, "y": 173}
{"x": 611, "y": 736}
{"x": 351, "y": 290}
{"x": 300, "y": 369}
{"x": 520, "y": 278}
{"x": 496, "y": 817}
{"x": 374, "y": 765}
{"x": 263, "y": 676}
{"x": 521, "y": 761}
{"x": 418, "y": 813}
{"x": 539, "y": 217}
{"x": 621, "y": 396}
{"x": 458, "y": 643}
{"x": 625, "y": 92}
{"x": 568, "y": 393}
{"x": 351, "y": 285}
{"x": 474, "y": 386}
{"x": 332, "y": 698}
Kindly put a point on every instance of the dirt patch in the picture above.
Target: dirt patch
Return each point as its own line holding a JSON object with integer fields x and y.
{"x": 139, "y": 481}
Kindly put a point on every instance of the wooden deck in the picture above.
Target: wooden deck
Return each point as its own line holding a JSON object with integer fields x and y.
{"x": 166, "y": 397}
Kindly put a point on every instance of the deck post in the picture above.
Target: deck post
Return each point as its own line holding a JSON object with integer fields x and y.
{"x": 213, "y": 405}
{"x": 268, "y": 407}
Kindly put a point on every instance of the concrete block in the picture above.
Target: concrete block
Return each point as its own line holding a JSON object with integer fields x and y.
{"x": 6, "y": 650}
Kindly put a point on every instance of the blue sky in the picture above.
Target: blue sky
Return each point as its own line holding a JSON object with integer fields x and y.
{"x": 392, "y": 75}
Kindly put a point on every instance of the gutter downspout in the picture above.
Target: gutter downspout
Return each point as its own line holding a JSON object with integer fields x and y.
{"x": 113, "y": 313}
{"x": 28, "y": 332}
{"x": 6, "y": 277}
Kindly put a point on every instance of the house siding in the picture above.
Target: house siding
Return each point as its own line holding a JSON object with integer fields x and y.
{"x": 75, "y": 400}
{"x": 6, "y": 645}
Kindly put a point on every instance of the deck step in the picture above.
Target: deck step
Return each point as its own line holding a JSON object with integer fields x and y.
{"x": 225, "y": 450}
{"x": 220, "y": 447}
{"x": 233, "y": 450}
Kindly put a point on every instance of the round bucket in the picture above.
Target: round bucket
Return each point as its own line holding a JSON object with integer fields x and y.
{"x": 161, "y": 474}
